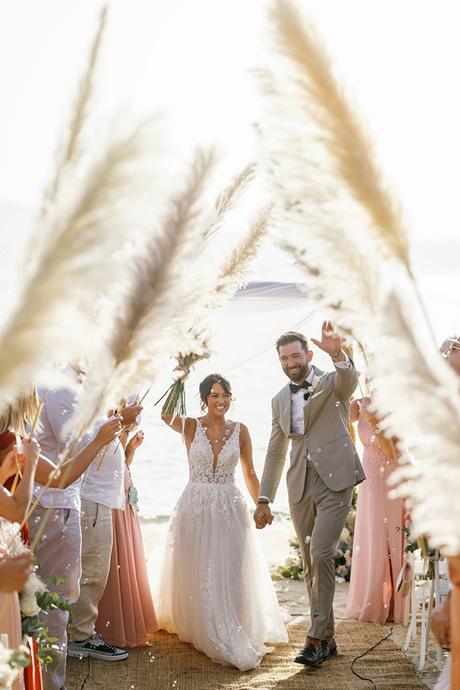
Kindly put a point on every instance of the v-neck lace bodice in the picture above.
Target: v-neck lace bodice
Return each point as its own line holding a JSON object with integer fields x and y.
{"x": 205, "y": 466}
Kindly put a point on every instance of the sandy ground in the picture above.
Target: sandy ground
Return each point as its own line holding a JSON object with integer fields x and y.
{"x": 292, "y": 594}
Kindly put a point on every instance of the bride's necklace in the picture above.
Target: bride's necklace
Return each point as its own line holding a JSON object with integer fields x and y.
{"x": 207, "y": 429}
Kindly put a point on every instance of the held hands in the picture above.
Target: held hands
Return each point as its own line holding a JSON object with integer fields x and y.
{"x": 263, "y": 516}
{"x": 330, "y": 342}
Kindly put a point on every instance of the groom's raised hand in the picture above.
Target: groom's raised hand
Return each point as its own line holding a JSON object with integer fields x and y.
{"x": 263, "y": 516}
{"x": 330, "y": 342}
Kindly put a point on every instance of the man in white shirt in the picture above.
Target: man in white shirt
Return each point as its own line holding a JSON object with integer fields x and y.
{"x": 58, "y": 551}
{"x": 312, "y": 411}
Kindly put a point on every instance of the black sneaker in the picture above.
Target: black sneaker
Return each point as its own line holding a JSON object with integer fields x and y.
{"x": 96, "y": 648}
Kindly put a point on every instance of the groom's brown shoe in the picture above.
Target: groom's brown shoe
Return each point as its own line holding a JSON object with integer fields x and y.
{"x": 328, "y": 649}
{"x": 310, "y": 655}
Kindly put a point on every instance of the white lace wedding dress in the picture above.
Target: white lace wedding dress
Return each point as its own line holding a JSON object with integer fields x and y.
{"x": 211, "y": 585}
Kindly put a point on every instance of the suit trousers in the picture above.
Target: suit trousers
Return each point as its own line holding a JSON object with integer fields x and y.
{"x": 96, "y": 551}
{"x": 318, "y": 521}
{"x": 58, "y": 558}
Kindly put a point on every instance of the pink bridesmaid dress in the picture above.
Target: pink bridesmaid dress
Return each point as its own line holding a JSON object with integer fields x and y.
{"x": 378, "y": 543}
{"x": 10, "y": 623}
{"x": 126, "y": 615}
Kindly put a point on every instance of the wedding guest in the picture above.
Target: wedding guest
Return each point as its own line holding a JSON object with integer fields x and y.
{"x": 102, "y": 492}
{"x": 14, "y": 571}
{"x": 10, "y": 615}
{"x": 378, "y": 543}
{"x": 59, "y": 548}
{"x": 441, "y": 616}
{"x": 13, "y": 422}
{"x": 126, "y": 613}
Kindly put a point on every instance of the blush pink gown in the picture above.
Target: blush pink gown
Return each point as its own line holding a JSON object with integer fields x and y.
{"x": 378, "y": 543}
{"x": 126, "y": 615}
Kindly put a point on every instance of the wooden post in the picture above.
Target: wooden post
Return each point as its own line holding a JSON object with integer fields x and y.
{"x": 454, "y": 572}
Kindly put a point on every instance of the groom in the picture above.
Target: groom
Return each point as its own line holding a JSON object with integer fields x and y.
{"x": 313, "y": 412}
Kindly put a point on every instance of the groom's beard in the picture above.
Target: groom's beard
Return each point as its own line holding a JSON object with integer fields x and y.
{"x": 299, "y": 375}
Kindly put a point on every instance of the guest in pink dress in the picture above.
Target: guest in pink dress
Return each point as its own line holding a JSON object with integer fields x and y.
{"x": 126, "y": 614}
{"x": 11, "y": 581}
{"x": 378, "y": 543}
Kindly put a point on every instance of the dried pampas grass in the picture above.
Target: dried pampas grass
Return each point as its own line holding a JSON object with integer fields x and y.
{"x": 52, "y": 319}
{"x": 345, "y": 228}
{"x": 228, "y": 200}
{"x": 231, "y": 276}
{"x": 237, "y": 188}
{"x": 417, "y": 396}
{"x": 159, "y": 301}
{"x": 234, "y": 270}
{"x": 312, "y": 120}
{"x": 72, "y": 145}
{"x": 341, "y": 279}
{"x": 91, "y": 205}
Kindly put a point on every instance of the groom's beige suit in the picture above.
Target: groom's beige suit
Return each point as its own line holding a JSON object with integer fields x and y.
{"x": 324, "y": 467}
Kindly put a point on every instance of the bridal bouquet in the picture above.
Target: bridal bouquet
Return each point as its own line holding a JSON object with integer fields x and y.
{"x": 174, "y": 405}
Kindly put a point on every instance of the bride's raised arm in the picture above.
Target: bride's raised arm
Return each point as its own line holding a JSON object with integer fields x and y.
{"x": 186, "y": 425}
{"x": 249, "y": 473}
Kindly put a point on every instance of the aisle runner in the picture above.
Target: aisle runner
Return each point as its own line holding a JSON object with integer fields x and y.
{"x": 173, "y": 665}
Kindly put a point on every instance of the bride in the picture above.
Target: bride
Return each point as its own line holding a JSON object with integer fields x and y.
{"x": 212, "y": 585}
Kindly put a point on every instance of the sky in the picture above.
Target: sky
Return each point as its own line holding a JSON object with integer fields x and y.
{"x": 191, "y": 61}
{"x": 193, "y": 64}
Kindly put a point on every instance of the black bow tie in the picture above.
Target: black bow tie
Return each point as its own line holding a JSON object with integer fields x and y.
{"x": 295, "y": 388}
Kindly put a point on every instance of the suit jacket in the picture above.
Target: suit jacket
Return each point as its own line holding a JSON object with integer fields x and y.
{"x": 326, "y": 438}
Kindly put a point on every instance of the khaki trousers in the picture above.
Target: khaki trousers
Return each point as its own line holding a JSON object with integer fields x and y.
{"x": 58, "y": 558}
{"x": 318, "y": 521}
{"x": 96, "y": 550}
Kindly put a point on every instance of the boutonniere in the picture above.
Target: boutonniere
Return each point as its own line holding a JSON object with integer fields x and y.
{"x": 313, "y": 385}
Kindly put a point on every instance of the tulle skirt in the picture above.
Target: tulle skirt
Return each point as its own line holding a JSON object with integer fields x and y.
{"x": 210, "y": 582}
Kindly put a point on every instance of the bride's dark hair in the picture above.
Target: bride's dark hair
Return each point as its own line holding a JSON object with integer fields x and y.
{"x": 207, "y": 384}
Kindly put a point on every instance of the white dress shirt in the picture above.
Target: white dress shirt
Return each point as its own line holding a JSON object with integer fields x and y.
{"x": 106, "y": 485}
{"x": 298, "y": 401}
